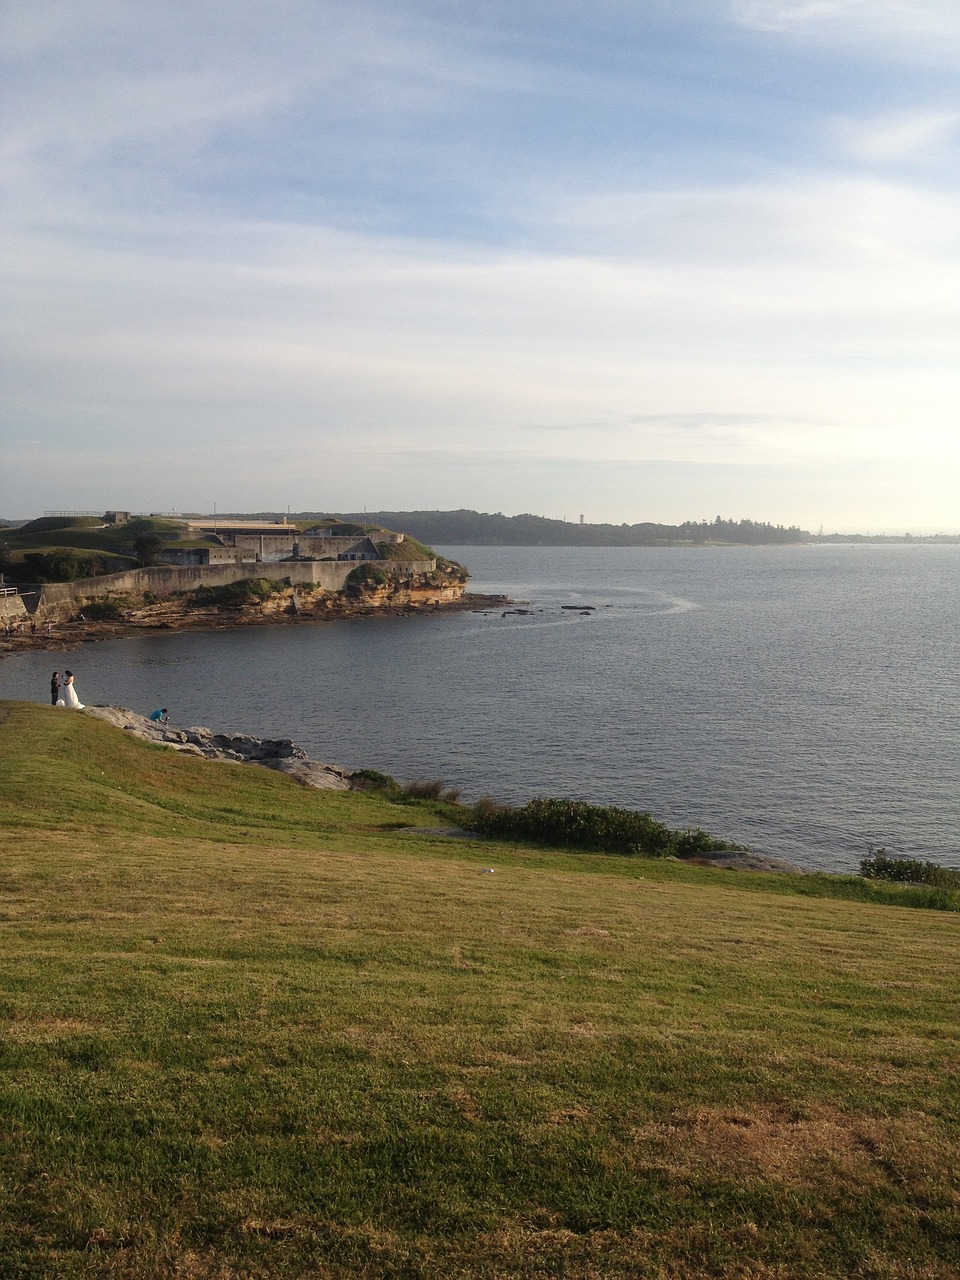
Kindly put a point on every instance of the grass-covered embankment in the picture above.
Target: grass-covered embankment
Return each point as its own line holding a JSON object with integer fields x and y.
{"x": 253, "y": 1030}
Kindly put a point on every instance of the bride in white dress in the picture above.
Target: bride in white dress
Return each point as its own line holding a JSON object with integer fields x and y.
{"x": 69, "y": 694}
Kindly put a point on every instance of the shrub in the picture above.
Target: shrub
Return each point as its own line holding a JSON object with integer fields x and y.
{"x": 374, "y": 780}
{"x": 575, "y": 824}
{"x": 108, "y": 609}
{"x": 424, "y": 789}
{"x": 690, "y": 843}
{"x": 366, "y": 574}
{"x": 880, "y": 866}
{"x": 234, "y": 595}
{"x": 56, "y": 566}
{"x": 486, "y": 806}
{"x": 432, "y": 789}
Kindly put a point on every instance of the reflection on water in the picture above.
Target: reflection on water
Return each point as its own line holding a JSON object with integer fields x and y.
{"x": 801, "y": 700}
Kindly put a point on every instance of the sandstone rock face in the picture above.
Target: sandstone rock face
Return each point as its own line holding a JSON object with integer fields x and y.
{"x": 281, "y": 754}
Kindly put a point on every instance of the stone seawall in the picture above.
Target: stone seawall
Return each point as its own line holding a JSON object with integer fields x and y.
{"x": 12, "y": 608}
{"x": 54, "y": 599}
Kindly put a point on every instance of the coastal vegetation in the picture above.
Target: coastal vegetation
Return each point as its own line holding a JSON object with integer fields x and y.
{"x": 880, "y": 866}
{"x": 256, "y": 1030}
{"x": 235, "y": 595}
{"x": 366, "y": 575}
{"x": 574, "y": 824}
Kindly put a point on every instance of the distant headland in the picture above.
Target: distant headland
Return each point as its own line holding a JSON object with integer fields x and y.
{"x": 70, "y": 576}
{"x": 464, "y": 528}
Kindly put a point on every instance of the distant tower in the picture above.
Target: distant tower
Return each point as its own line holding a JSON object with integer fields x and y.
{"x": 581, "y": 519}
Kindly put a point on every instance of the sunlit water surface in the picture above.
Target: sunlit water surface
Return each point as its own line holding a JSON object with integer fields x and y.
{"x": 803, "y": 701}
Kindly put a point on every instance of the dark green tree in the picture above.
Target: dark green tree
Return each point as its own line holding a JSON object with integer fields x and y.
{"x": 148, "y": 547}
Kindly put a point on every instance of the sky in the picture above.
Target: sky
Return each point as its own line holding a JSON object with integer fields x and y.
{"x": 630, "y": 259}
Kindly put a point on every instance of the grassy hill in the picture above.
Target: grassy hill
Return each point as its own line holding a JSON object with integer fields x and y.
{"x": 251, "y": 1030}
{"x": 88, "y": 534}
{"x": 63, "y": 548}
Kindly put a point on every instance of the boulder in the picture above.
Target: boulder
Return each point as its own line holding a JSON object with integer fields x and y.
{"x": 310, "y": 773}
{"x": 282, "y": 754}
{"x": 279, "y": 749}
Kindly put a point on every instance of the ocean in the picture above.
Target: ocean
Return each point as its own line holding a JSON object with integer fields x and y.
{"x": 800, "y": 700}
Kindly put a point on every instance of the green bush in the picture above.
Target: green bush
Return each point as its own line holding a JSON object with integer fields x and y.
{"x": 106, "y": 610}
{"x": 234, "y": 595}
{"x": 63, "y": 565}
{"x": 880, "y": 866}
{"x": 366, "y": 574}
{"x": 374, "y": 780}
{"x": 574, "y": 824}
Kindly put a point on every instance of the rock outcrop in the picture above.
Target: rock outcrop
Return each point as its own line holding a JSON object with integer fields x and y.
{"x": 281, "y": 754}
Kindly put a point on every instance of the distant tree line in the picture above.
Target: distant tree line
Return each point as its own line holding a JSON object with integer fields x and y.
{"x": 475, "y": 528}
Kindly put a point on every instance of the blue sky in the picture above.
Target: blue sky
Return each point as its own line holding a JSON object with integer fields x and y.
{"x": 635, "y": 260}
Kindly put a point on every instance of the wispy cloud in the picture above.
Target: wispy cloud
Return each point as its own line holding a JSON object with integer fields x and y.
{"x": 929, "y": 28}
{"x": 317, "y": 232}
{"x": 918, "y": 136}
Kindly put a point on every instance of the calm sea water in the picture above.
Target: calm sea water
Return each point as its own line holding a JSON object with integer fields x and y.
{"x": 803, "y": 701}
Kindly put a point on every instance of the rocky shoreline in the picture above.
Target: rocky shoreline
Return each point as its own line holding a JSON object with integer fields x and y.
{"x": 281, "y": 754}
{"x": 285, "y": 756}
{"x": 62, "y": 636}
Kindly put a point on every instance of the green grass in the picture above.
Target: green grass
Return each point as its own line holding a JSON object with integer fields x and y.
{"x": 251, "y": 1030}
{"x": 86, "y": 535}
{"x": 17, "y": 555}
{"x": 407, "y": 550}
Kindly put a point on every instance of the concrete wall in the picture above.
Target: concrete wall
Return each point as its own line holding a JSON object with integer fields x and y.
{"x": 12, "y": 608}
{"x": 165, "y": 580}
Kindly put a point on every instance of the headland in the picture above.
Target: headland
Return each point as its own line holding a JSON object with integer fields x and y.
{"x": 74, "y": 578}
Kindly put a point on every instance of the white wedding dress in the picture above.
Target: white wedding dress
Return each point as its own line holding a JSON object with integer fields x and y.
{"x": 69, "y": 695}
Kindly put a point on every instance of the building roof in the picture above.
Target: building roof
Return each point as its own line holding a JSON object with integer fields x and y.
{"x": 243, "y": 526}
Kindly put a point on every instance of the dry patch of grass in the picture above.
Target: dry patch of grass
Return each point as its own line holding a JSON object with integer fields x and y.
{"x": 774, "y": 1142}
{"x": 46, "y": 1029}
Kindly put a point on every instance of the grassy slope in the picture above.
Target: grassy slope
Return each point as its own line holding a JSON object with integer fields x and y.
{"x": 86, "y": 535}
{"x": 252, "y": 1030}
{"x": 19, "y": 555}
{"x": 82, "y": 536}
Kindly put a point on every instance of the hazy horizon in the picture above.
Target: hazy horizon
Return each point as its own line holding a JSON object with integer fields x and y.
{"x": 644, "y": 262}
